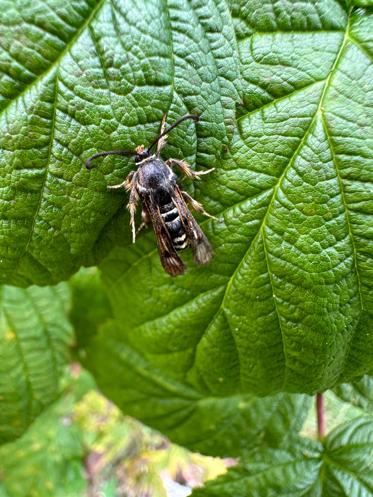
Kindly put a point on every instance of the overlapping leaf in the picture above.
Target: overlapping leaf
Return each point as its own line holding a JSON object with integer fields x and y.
{"x": 35, "y": 336}
{"x": 287, "y": 302}
{"x": 359, "y": 393}
{"x": 340, "y": 468}
{"x": 90, "y": 305}
{"x": 92, "y": 75}
{"x": 211, "y": 425}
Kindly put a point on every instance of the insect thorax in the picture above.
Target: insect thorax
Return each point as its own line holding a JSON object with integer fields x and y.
{"x": 158, "y": 180}
{"x": 154, "y": 174}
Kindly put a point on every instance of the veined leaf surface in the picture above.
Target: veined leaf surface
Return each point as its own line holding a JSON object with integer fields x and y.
{"x": 339, "y": 468}
{"x": 287, "y": 302}
{"x": 35, "y": 336}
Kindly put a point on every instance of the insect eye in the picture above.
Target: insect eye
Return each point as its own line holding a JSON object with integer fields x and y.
{"x": 140, "y": 157}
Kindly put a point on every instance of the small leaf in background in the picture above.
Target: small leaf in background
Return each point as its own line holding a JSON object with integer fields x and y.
{"x": 210, "y": 425}
{"x": 35, "y": 338}
{"x": 338, "y": 468}
{"x": 359, "y": 393}
{"x": 48, "y": 460}
{"x": 82, "y": 445}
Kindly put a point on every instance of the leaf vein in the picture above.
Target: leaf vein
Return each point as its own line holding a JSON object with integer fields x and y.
{"x": 346, "y": 210}
{"x": 57, "y": 61}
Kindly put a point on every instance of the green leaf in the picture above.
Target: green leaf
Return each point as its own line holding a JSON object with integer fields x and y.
{"x": 35, "y": 336}
{"x": 90, "y": 305}
{"x": 3, "y": 492}
{"x": 211, "y": 425}
{"x": 48, "y": 460}
{"x": 342, "y": 468}
{"x": 90, "y": 75}
{"x": 348, "y": 459}
{"x": 359, "y": 393}
{"x": 362, "y": 3}
{"x": 286, "y": 303}
{"x": 270, "y": 473}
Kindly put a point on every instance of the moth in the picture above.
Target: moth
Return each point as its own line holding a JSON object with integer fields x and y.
{"x": 164, "y": 203}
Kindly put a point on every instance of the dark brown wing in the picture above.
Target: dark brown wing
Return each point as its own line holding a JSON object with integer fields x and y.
{"x": 197, "y": 239}
{"x": 171, "y": 262}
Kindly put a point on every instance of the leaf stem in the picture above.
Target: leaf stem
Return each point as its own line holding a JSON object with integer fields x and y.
{"x": 320, "y": 412}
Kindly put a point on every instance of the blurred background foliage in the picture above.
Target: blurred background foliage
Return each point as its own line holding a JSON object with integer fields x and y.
{"x": 83, "y": 446}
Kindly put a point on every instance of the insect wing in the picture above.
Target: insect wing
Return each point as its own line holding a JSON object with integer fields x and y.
{"x": 197, "y": 239}
{"x": 171, "y": 262}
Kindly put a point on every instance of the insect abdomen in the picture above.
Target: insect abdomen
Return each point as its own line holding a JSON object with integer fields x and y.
{"x": 172, "y": 220}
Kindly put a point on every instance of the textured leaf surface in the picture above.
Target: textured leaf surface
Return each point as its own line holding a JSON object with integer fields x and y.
{"x": 211, "y": 425}
{"x": 342, "y": 468}
{"x": 287, "y": 302}
{"x": 359, "y": 394}
{"x": 96, "y": 74}
{"x": 35, "y": 336}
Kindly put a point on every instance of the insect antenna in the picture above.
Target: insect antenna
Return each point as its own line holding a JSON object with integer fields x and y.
{"x": 127, "y": 153}
{"x": 193, "y": 117}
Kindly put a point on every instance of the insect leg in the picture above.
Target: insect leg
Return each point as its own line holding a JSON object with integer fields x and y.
{"x": 140, "y": 228}
{"x": 116, "y": 187}
{"x": 186, "y": 169}
{"x": 132, "y": 206}
{"x": 196, "y": 205}
{"x": 145, "y": 220}
{"x": 130, "y": 185}
{"x": 127, "y": 183}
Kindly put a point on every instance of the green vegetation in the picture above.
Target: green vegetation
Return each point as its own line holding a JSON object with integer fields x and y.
{"x": 224, "y": 360}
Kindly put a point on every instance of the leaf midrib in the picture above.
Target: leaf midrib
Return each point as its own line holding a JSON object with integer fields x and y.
{"x": 25, "y": 368}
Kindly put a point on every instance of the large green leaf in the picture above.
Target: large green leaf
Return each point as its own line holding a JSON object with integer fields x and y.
{"x": 35, "y": 336}
{"x": 87, "y": 75}
{"x": 287, "y": 302}
{"x": 211, "y": 425}
{"x": 340, "y": 468}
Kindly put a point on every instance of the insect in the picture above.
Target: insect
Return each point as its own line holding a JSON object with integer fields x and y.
{"x": 164, "y": 204}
